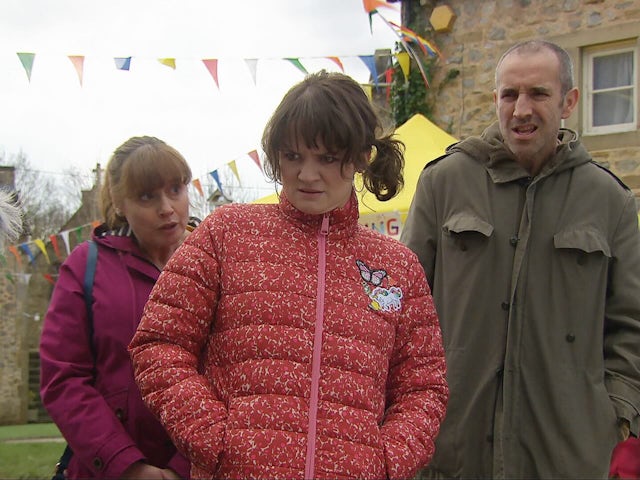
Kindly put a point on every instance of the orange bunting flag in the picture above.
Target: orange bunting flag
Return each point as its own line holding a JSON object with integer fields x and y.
{"x": 40, "y": 244}
{"x": 54, "y": 242}
{"x": 96, "y": 224}
{"x": 49, "y": 278}
{"x": 254, "y": 154}
{"x": 78, "y": 63}
{"x": 196, "y": 183}
{"x": 371, "y": 6}
{"x": 169, "y": 62}
{"x": 212, "y": 66}
{"x": 337, "y": 61}
{"x": 16, "y": 253}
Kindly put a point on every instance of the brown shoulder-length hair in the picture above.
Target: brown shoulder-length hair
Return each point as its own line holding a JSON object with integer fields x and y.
{"x": 139, "y": 165}
{"x": 333, "y": 109}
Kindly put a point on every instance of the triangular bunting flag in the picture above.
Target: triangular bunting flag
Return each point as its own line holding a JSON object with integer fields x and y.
{"x": 27, "y": 62}
{"x": 254, "y": 155}
{"x": 54, "y": 242}
{"x": 95, "y": 224}
{"x": 78, "y": 232}
{"x": 252, "y": 63}
{"x": 14, "y": 250}
{"x": 78, "y": 63}
{"x": 234, "y": 169}
{"x": 169, "y": 62}
{"x": 25, "y": 248}
{"x": 370, "y": 62}
{"x": 216, "y": 177}
{"x": 196, "y": 183}
{"x": 9, "y": 277}
{"x": 212, "y": 66}
{"x": 40, "y": 244}
{"x": 404, "y": 60}
{"x": 370, "y": 6}
{"x": 123, "y": 63}
{"x": 65, "y": 239}
{"x": 338, "y": 62}
{"x": 296, "y": 63}
{"x": 49, "y": 278}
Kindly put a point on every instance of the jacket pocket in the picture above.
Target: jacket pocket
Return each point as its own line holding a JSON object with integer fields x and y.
{"x": 465, "y": 231}
{"x": 583, "y": 240}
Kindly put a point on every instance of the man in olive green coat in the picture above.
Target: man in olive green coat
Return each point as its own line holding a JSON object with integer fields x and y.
{"x": 533, "y": 255}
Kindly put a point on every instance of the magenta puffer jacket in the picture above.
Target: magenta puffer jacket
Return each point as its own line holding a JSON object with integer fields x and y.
{"x": 283, "y": 345}
{"x": 100, "y": 411}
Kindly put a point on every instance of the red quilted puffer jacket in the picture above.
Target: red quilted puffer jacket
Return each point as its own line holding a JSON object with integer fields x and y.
{"x": 283, "y": 345}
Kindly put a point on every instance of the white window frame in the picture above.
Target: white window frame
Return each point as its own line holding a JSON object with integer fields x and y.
{"x": 590, "y": 54}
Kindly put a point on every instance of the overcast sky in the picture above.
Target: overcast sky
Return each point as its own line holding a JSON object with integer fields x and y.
{"x": 58, "y": 123}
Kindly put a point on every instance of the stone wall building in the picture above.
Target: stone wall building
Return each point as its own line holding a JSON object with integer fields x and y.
{"x": 602, "y": 37}
{"x": 25, "y": 289}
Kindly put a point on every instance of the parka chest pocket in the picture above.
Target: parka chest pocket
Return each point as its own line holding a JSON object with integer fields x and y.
{"x": 582, "y": 248}
{"x": 465, "y": 231}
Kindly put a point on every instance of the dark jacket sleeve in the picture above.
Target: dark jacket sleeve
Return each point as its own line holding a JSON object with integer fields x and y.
{"x": 622, "y": 322}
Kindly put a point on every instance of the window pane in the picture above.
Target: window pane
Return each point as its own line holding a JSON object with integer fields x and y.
{"x": 612, "y": 108}
{"x": 613, "y": 70}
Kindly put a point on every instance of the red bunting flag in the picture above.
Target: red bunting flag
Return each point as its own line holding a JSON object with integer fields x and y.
{"x": 54, "y": 243}
{"x": 49, "y": 278}
{"x": 212, "y": 66}
{"x": 78, "y": 63}
{"x": 254, "y": 154}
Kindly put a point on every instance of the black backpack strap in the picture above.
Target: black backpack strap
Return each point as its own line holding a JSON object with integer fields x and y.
{"x": 89, "y": 275}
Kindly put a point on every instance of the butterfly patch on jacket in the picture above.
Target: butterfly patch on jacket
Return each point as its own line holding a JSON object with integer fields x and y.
{"x": 382, "y": 298}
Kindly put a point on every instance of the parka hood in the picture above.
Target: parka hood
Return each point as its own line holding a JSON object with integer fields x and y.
{"x": 489, "y": 148}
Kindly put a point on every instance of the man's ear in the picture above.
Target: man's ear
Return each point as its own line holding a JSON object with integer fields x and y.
{"x": 570, "y": 101}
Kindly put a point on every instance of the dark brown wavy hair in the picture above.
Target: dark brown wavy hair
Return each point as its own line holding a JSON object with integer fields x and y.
{"x": 333, "y": 109}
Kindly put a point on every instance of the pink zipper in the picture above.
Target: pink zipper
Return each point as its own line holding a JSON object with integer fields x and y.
{"x": 317, "y": 347}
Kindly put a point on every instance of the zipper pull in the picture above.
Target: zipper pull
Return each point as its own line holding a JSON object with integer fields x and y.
{"x": 324, "y": 229}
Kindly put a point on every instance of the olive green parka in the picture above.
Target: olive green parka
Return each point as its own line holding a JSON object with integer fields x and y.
{"x": 537, "y": 285}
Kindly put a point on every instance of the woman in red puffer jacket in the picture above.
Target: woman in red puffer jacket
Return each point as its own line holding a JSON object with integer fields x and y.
{"x": 288, "y": 341}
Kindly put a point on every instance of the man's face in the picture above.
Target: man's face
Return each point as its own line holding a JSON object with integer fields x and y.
{"x": 530, "y": 105}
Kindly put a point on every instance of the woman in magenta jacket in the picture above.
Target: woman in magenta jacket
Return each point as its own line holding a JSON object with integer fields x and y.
{"x": 87, "y": 381}
{"x": 288, "y": 341}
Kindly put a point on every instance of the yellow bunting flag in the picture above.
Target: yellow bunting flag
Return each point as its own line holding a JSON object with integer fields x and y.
{"x": 169, "y": 62}
{"x": 234, "y": 169}
{"x": 405, "y": 63}
{"x": 40, "y": 244}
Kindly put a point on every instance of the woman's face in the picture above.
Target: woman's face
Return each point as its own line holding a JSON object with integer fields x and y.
{"x": 159, "y": 217}
{"x": 313, "y": 178}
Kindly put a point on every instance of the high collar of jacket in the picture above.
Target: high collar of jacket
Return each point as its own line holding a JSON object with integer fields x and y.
{"x": 489, "y": 148}
{"x": 121, "y": 239}
{"x": 342, "y": 221}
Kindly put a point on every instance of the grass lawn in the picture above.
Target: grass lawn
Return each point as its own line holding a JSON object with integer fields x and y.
{"x": 25, "y": 459}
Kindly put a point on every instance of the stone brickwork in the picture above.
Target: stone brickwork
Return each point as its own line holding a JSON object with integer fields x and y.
{"x": 483, "y": 30}
{"x": 24, "y": 297}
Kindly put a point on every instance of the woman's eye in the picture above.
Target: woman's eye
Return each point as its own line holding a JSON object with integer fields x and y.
{"x": 290, "y": 155}
{"x": 330, "y": 158}
{"x": 146, "y": 196}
